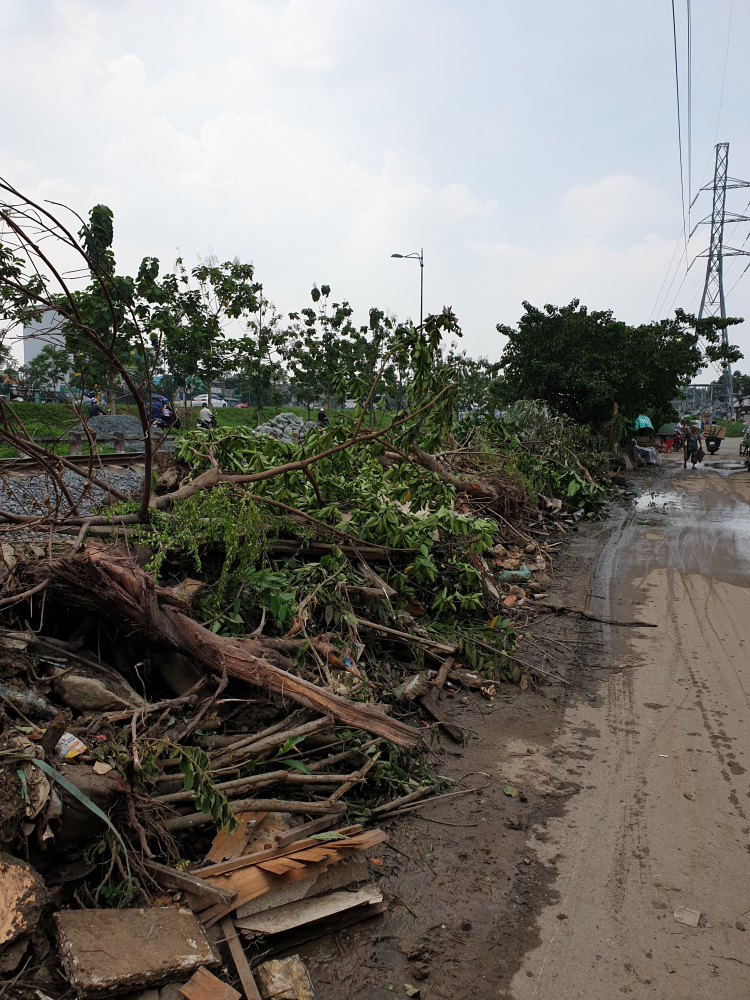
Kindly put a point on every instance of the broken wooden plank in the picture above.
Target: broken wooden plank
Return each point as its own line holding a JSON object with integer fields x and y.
{"x": 442, "y": 675}
{"x": 273, "y": 852}
{"x": 313, "y": 853}
{"x": 334, "y": 878}
{"x": 231, "y": 845}
{"x": 300, "y": 832}
{"x": 254, "y": 881}
{"x": 279, "y": 866}
{"x": 306, "y": 911}
{"x": 429, "y": 704}
{"x": 239, "y": 958}
{"x": 203, "y": 985}
{"x": 203, "y": 891}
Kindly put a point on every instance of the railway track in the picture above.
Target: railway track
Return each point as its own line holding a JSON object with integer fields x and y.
{"x": 26, "y": 464}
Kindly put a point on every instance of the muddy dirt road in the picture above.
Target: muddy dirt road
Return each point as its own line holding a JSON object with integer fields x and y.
{"x": 633, "y": 790}
{"x": 661, "y": 821}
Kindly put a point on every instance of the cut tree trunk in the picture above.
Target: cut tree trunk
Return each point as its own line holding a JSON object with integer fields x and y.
{"x": 114, "y": 586}
{"x": 476, "y": 489}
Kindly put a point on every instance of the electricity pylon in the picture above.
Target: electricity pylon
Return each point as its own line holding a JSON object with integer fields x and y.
{"x": 712, "y": 301}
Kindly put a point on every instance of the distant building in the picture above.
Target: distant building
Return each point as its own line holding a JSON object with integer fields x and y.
{"x": 38, "y": 334}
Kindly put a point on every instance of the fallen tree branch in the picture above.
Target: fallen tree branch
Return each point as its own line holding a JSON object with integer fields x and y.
{"x": 562, "y": 609}
{"x": 114, "y": 586}
{"x": 259, "y": 805}
{"x": 214, "y": 477}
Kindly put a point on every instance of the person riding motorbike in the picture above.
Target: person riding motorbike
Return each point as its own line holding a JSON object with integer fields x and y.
{"x": 206, "y": 419}
{"x": 323, "y": 420}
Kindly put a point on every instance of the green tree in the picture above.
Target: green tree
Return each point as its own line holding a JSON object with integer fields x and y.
{"x": 589, "y": 364}
{"x": 740, "y": 383}
{"x": 205, "y": 303}
{"x": 104, "y": 306}
{"x": 44, "y": 372}
{"x": 477, "y": 378}
{"x": 258, "y": 355}
{"x": 316, "y": 350}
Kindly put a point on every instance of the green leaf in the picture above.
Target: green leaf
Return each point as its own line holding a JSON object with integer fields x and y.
{"x": 298, "y": 765}
{"x": 290, "y": 743}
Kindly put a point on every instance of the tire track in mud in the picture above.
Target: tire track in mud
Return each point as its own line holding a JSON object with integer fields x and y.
{"x": 651, "y": 832}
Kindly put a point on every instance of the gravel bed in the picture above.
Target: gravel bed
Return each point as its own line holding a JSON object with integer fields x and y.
{"x": 34, "y": 494}
{"x": 109, "y": 425}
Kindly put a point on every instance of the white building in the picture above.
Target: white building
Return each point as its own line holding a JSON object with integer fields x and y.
{"x": 38, "y": 334}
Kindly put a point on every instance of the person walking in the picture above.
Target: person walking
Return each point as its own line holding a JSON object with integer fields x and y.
{"x": 692, "y": 447}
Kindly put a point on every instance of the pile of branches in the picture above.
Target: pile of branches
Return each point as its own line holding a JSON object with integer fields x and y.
{"x": 262, "y": 618}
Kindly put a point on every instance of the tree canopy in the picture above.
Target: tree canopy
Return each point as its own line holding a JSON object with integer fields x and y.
{"x": 583, "y": 363}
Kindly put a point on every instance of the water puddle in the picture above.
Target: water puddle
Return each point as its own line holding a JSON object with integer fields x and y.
{"x": 651, "y": 501}
{"x": 726, "y": 468}
{"x": 703, "y": 532}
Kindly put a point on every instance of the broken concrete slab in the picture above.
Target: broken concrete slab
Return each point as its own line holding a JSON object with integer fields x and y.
{"x": 284, "y": 979}
{"x": 23, "y": 896}
{"x": 110, "y": 952}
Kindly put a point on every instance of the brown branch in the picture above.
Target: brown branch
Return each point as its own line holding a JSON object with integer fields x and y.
{"x": 213, "y": 477}
{"x": 27, "y": 593}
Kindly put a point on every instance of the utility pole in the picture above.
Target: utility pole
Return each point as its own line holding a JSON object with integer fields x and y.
{"x": 712, "y": 300}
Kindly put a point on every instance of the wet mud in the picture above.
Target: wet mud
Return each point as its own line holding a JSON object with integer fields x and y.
{"x": 542, "y": 895}
{"x": 464, "y": 885}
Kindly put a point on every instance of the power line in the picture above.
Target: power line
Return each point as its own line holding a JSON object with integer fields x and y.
{"x": 740, "y": 277}
{"x": 690, "y": 108}
{"x": 679, "y": 123}
{"x": 674, "y": 278}
{"x": 724, "y": 77}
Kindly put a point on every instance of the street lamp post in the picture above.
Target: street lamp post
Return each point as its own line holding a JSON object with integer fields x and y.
{"x": 420, "y": 257}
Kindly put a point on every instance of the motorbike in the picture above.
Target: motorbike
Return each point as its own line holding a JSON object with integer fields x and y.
{"x": 207, "y": 425}
{"x": 715, "y": 436}
{"x": 169, "y": 423}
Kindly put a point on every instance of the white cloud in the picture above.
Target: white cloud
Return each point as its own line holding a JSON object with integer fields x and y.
{"x": 620, "y": 200}
{"x": 317, "y": 137}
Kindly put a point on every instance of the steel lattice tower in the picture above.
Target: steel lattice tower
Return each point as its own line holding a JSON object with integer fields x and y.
{"x": 712, "y": 301}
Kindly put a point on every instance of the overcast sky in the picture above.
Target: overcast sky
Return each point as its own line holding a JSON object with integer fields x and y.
{"x": 530, "y": 148}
